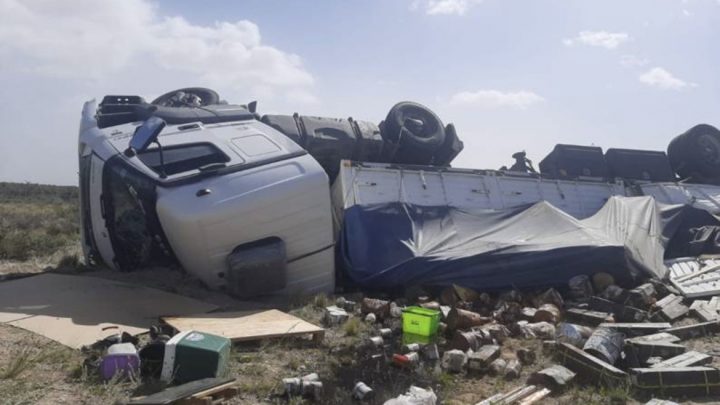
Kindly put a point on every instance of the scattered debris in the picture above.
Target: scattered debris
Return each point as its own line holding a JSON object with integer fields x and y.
{"x": 361, "y": 391}
{"x": 580, "y": 287}
{"x": 463, "y": 319}
{"x": 193, "y": 355}
{"x": 655, "y": 337}
{"x": 526, "y": 356}
{"x": 380, "y": 308}
{"x": 497, "y": 366}
{"x": 678, "y": 381}
{"x": 430, "y": 352}
{"x": 660, "y": 402}
{"x": 695, "y": 330}
{"x": 703, "y": 311}
{"x": 511, "y": 397}
{"x": 687, "y": 359}
{"x": 670, "y": 308}
{"x": 547, "y": 313}
{"x": 636, "y": 329}
{"x": 481, "y": 359}
{"x": 370, "y": 318}
{"x": 606, "y": 344}
{"x": 639, "y": 352}
{"x": 454, "y": 360}
{"x": 121, "y": 360}
{"x": 588, "y": 317}
{"x": 512, "y": 369}
{"x": 335, "y": 316}
{"x": 555, "y": 377}
{"x": 385, "y": 332}
{"x": 590, "y": 366}
{"x": 206, "y": 387}
{"x": 376, "y": 341}
{"x": 576, "y": 335}
{"x": 415, "y": 396}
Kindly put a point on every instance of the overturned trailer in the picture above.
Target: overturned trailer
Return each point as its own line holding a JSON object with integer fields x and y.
{"x": 243, "y": 201}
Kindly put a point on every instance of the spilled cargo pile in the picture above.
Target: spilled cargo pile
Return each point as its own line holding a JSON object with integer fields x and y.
{"x": 647, "y": 340}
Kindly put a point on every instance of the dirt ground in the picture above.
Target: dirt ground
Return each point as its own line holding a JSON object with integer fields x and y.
{"x": 36, "y": 370}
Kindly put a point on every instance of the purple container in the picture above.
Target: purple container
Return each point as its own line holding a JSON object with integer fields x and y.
{"x": 121, "y": 359}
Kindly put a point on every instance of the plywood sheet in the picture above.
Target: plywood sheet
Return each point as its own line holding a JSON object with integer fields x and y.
{"x": 79, "y": 310}
{"x": 240, "y": 326}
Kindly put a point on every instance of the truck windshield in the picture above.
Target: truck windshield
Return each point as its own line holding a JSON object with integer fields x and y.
{"x": 183, "y": 158}
{"x": 129, "y": 208}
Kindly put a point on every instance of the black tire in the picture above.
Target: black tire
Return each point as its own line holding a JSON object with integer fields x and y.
{"x": 427, "y": 137}
{"x": 696, "y": 154}
{"x": 207, "y": 97}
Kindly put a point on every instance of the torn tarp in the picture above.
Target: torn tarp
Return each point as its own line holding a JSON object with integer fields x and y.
{"x": 395, "y": 245}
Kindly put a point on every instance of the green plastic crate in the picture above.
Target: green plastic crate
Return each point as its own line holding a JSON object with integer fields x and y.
{"x": 420, "y": 321}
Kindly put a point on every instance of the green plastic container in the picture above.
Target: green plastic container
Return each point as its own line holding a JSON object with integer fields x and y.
{"x": 193, "y": 355}
{"x": 408, "y": 338}
{"x": 420, "y": 321}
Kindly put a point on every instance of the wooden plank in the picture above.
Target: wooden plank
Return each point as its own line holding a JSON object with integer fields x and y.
{"x": 179, "y": 392}
{"x": 695, "y": 330}
{"x": 636, "y": 329}
{"x": 245, "y": 326}
{"x": 518, "y": 395}
{"x": 535, "y": 397}
{"x": 587, "y": 317}
{"x": 656, "y": 401}
{"x": 655, "y": 337}
{"x": 687, "y": 359}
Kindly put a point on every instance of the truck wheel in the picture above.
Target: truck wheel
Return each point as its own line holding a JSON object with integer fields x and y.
{"x": 188, "y": 97}
{"x": 696, "y": 153}
{"x": 414, "y": 126}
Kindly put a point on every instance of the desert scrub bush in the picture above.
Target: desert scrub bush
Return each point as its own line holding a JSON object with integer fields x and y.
{"x": 31, "y": 229}
{"x": 353, "y": 327}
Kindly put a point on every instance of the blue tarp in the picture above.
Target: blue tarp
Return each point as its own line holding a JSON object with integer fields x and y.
{"x": 395, "y": 245}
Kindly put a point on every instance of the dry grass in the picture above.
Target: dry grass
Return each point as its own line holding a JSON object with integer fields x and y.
{"x": 17, "y": 364}
{"x": 30, "y": 229}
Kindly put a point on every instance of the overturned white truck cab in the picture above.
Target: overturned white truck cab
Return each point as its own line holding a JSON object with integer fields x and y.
{"x": 233, "y": 201}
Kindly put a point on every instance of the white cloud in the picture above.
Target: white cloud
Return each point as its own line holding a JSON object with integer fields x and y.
{"x": 493, "y": 98}
{"x": 445, "y": 7}
{"x": 607, "y": 40}
{"x": 80, "y": 39}
{"x": 661, "y": 78}
{"x": 630, "y": 61}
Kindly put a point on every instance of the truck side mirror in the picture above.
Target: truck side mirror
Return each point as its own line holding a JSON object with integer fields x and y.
{"x": 145, "y": 134}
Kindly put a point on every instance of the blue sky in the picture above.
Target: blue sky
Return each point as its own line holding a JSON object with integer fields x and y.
{"x": 510, "y": 74}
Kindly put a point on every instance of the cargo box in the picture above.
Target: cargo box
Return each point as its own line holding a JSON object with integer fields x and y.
{"x": 647, "y": 165}
{"x": 573, "y": 161}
